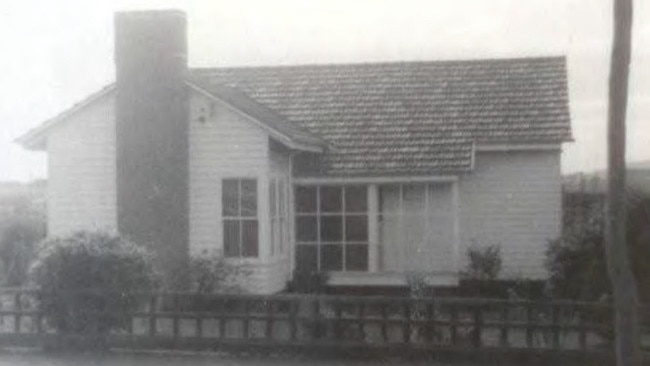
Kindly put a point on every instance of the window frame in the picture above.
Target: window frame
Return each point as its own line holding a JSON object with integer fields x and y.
{"x": 240, "y": 218}
{"x": 343, "y": 242}
{"x": 278, "y": 215}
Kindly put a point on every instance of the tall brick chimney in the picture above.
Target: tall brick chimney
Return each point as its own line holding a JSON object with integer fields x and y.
{"x": 152, "y": 136}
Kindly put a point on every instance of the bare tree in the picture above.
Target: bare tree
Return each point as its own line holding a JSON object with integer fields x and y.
{"x": 618, "y": 261}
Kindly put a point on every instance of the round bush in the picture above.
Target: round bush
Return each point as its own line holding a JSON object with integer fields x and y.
{"x": 88, "y": 281}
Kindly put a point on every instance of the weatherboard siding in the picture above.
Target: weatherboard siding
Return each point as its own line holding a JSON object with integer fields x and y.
{"x": 226, "y": 144}
{"x": 81, "y": 171}
{"x": 512, "y": 199}
{"x": 279, "y": 269}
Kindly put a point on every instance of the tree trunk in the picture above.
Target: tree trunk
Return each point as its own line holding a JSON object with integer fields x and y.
{"x": 618, "y": 261}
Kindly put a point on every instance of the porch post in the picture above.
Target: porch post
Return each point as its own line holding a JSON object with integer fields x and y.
{"x": 374, "y": 253}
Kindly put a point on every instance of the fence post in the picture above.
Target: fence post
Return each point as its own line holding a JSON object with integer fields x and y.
{"x": 453, "y": 323}
{"x": 529, "y": 325}
{"x": 505, "y": 323}
{"x": 269, "y": 319}
{"x": 362, "y": 320}
{"x": 292, "y": 318}
{"x": 555, "y": 319}
{"x": 582, "y": 332}
{"x": 406, "y": 335}
{"x": 222, "y": 318}
{"x": 152, "y": 315}
{"x": 246, "y": 324}
{"x": 18, "y": 308}
{"x": 478, "y": 326}
{"x": 175, "y": 317}
{"x": 384, "y": 322}
{"x": 431, "y": 323}
{"x": 316, "y": 327}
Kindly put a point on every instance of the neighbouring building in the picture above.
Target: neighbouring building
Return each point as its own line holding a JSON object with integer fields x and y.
{"x": 368, "y": 171}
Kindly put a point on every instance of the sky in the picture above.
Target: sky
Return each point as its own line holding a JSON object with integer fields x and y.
{"x": 54, "y": 53}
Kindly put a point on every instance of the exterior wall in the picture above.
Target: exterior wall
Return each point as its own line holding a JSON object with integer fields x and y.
{"x": 224, "y": 144}
{"x": 279, "y": 270}
{"x": 512, "y": 199}
{"x": 81, "y": 171}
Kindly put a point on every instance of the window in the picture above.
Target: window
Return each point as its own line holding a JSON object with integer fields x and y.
{"x": 240, "y": 225}
{"x": 279, "y": 215}
{"x": 414, "y": 224}
{"x": 331, "y": 228}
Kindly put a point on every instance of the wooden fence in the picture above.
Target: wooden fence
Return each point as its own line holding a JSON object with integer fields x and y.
{"x": 190, "y": 321}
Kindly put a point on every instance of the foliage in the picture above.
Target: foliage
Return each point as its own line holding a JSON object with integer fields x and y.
{"x": 18, "y": 240}
{"x": 308, "y": 282}
{"x": 88, "y": 281}
{"x": 418, "y": 286}
{"x": 212, "y": 273}
{"x": 484, "y": 262}
{"x": 576, "y": 261}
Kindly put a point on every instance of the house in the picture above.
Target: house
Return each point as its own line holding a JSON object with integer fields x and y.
{"x": 368, "y": 171}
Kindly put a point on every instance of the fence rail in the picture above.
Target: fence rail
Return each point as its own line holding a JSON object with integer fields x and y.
{"x": 187, "y": 320}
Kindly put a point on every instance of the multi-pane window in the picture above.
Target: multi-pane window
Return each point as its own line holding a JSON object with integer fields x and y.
{"x": 240, "y": 224}
{"x": 279, "y": 215}
{"x": 331, "y": 228}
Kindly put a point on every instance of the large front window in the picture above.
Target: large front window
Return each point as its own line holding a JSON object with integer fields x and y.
{"x": 331, "y": 228}
{"x": 240, "y": 225}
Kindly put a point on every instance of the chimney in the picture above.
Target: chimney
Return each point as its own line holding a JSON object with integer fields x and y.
{"x": 152, "y": 136}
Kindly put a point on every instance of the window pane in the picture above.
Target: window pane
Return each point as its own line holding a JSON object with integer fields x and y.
{"x": 306, "y": 228}
{"x": 274, "y": 235}
{"x": 230, "y": 197}
{"x": 272, "y": 198}
{"x": 331, "y": 199}
{"x": 231, "y": 238}
{"x": 331, "y": 257}
{"x": 306, "y": 199}
{"x": 282, "y": 236}
{"x": 331, "y": 228}
{"x": 389, "y": 200}
{"x": 249, "y": 238}
{"x": 306, "y": 258}
{"x": 356, "y": 228}
{"x": 248, "y": 197}
{"x": 414, "y": 199}
{"x": 281, "y": 198}
{"x": 356, "y": 257}
{"x": 356, "y": 199}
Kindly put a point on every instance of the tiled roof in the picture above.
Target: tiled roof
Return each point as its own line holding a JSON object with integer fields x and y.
{"x": 410, "y": 117}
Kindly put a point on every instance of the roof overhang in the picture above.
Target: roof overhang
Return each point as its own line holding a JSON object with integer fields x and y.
{"x": 302, "y": 143}
{"x": 35, "y": 139}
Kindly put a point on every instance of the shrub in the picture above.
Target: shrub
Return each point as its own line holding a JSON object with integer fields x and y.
{"x": 576, "y": 261}
{"x": 18, "y": 241}
{"x": 308, "y": 282}
{"x": 484, "y": 262}
{"x": 212, "y": 273}
{"x": 88, "y": 282}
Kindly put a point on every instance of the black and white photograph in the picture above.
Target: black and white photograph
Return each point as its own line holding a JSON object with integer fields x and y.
{"x": 343, "y": 182}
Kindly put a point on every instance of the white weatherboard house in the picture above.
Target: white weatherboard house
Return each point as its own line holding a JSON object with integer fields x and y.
{"x": 367, "y": 171}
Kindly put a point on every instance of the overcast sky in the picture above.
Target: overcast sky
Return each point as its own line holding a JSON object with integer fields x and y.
{"x": 54, "y": 53}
